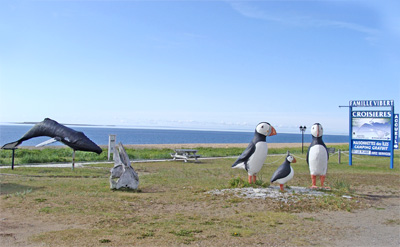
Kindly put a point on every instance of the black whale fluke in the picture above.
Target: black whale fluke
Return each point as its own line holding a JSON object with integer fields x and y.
{"x": 48, "y": 127}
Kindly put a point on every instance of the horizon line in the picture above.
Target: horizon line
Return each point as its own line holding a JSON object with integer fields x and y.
{"x": 155, "y": 127}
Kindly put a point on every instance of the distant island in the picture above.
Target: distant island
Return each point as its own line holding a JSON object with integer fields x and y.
{"x": 88, "y": 125}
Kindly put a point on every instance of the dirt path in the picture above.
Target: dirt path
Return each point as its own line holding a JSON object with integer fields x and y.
{"x": 375, "y": 226}
{"x": 16, "y": 230}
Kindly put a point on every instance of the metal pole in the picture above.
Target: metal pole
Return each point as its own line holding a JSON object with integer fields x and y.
{"x": 350, "y": 136}
{"x": 302, "y": 129}
{"x": 12, "y": 161}
{"x": 392, "y": 138}
{"x": 339, "y": 156}
{"x": 73, "y": 160}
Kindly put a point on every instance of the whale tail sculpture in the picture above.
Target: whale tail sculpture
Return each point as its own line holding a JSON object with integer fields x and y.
{"x": 122, "y": 174}
{"x": 58, "y": 132}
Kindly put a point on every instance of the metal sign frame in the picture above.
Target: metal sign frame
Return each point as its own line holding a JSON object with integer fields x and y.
{"x": 382, "y": 145}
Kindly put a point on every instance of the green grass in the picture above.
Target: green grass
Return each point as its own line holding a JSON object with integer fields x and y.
{"x": 48, "y": 155}
{"x": 64, "y": 154}
{"x": 172, "y": 208}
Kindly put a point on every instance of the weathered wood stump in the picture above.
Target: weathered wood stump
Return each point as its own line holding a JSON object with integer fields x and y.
{"x": 122, "y": 174}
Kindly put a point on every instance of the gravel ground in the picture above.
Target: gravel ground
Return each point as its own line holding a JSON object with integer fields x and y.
{"x": 375, "y": 226}
{"x": 290, "y": 194}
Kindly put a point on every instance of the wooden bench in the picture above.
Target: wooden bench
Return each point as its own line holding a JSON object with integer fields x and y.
{"x": 185, "y": 154}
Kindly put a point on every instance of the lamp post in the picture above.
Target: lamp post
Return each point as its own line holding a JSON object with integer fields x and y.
{"x": 302, "y": 129}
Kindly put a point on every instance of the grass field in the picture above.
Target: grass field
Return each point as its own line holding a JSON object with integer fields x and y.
{"x": 172, "y": 206}
{"x": 26, "y": 155}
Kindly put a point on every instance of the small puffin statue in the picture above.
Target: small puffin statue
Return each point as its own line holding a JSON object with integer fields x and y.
{"x": 253, "y": 157}
{"x": 285, "y": 172}
{"x": 317, "y": 156}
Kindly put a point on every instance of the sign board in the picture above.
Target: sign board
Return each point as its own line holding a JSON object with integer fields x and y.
{"x": 111, "y": 145}
{"x": 373, "y": 148}
{"x": 396, "y": 131}
{"x": 371, "y": 128}
{"x": 372, "y": 132}
{"x": 371, "y": 103}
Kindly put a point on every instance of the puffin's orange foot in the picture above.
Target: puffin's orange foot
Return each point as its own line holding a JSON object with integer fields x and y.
{"x": 314, "y": 182}
{"x": 252, "y": 179}
{"x": 281, "y": 187}
{"x": 322, "y": 178}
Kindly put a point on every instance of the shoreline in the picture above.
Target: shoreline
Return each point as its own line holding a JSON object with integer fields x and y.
{"x": 215, "y": 145}
{"x": 193, "y": 145}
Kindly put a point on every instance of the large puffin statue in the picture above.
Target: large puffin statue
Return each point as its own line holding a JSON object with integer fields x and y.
{"x": 253, "y": 157}
{"x": 317, "y": 156}
{"x": 285, "y": 172}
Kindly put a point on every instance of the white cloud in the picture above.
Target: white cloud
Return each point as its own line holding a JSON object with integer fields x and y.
{"x": 295, "y": 18}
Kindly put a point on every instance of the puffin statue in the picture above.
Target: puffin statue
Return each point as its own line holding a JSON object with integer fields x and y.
{"x": 253, "y": 157}
{"x": 285, "y": 172}
{"x": 317, "y": 156}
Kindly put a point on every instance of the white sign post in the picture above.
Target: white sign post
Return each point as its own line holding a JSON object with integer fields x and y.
{"x": 111, "y": 145}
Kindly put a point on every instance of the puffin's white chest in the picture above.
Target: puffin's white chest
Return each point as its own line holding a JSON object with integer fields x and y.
{"x": 287, "y": 178}
{"x": 318, "y": 160}
{"x": 257, "y": 159}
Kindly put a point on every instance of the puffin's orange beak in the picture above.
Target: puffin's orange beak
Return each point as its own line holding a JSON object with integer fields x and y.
{"x": 294, "y": 160}
{"x": 273, "y": 131}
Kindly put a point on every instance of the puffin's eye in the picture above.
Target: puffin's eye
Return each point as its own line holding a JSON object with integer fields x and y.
{"x": 262, "y": 126}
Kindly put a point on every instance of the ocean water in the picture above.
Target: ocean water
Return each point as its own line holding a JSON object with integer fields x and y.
{"x": 100, "y": 135}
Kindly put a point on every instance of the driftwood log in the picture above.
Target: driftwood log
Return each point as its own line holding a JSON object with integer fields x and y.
{"x": 122, "y": 174}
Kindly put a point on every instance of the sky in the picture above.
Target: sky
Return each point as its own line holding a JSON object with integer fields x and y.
{"x": 213, "y": 64}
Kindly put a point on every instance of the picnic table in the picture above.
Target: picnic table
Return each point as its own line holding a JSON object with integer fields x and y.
{"x": 331, "y": 150}
{"x": 185, "y": 154}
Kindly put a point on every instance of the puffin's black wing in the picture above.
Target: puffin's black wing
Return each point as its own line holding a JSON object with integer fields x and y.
{"x": 244, "y": 157}
{"x": 317, "y": 140}
{"x": 282, "y": 171}
{"x": 327, "y": 153}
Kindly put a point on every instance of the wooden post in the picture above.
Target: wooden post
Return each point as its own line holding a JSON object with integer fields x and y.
{"x": 111, "y": 145}
{"x": 339, "y": 156}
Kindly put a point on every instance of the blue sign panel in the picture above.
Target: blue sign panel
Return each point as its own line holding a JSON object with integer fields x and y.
{"x": 371, "y": 125}
{"x": 371, "y": 114}
{"x": 371, "y": 103}
{"x": 373, "y": 132}
{"x": 371, "y": 153}
{"x": 396, "y": 131}
{"x": 367, "y": 145}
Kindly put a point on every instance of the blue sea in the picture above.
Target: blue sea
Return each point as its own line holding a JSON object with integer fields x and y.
{"x": 100, "y": 135}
